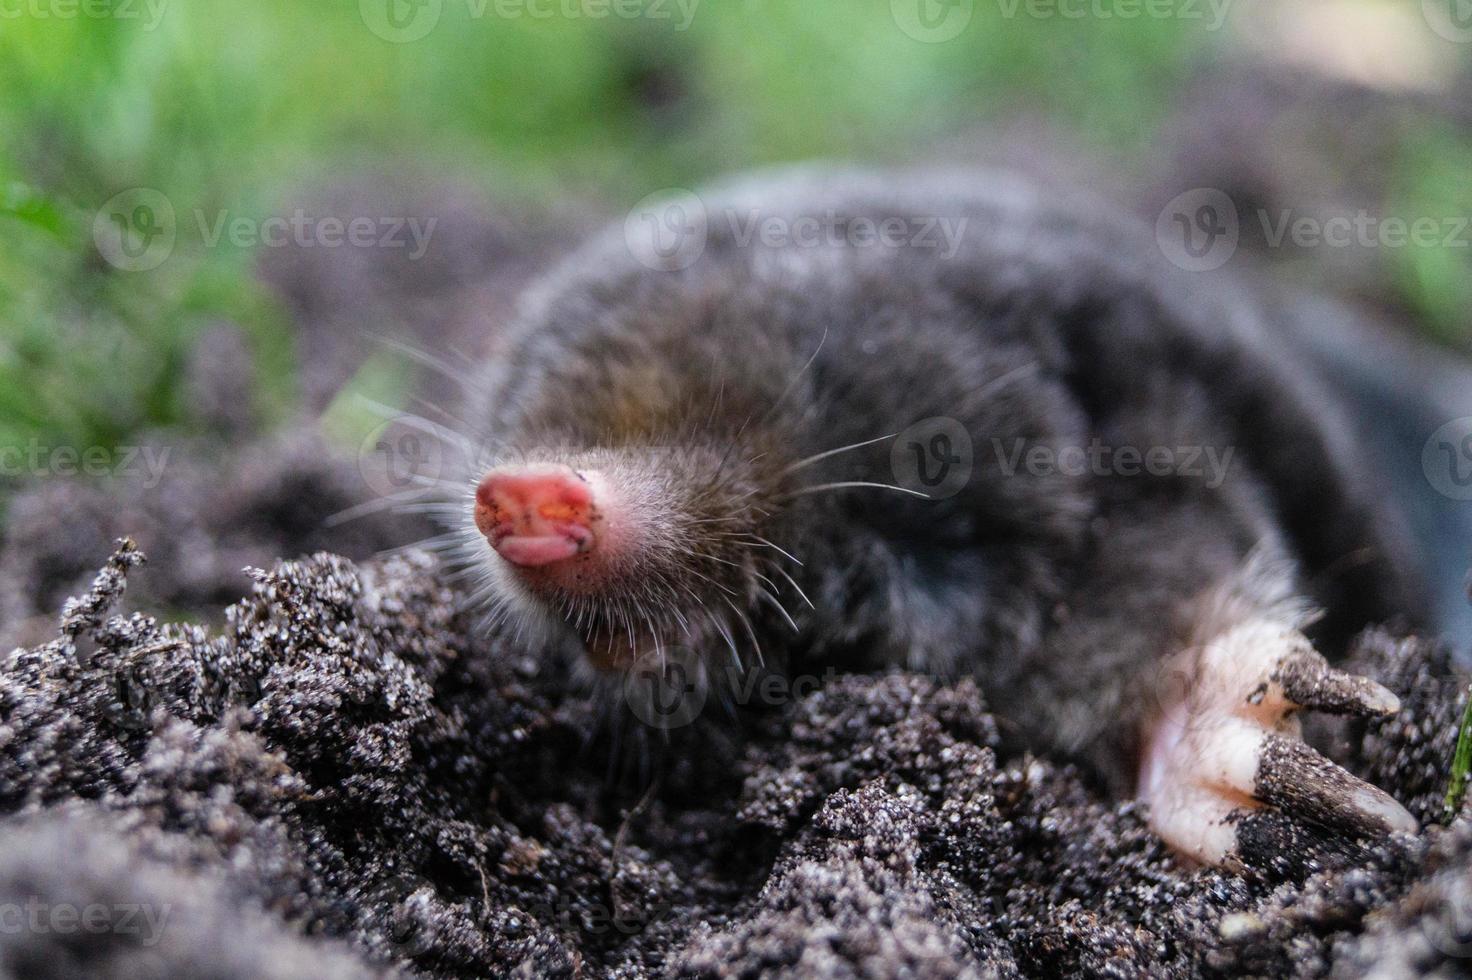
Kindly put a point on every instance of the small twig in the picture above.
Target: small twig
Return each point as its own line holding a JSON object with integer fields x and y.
{"x": 615, "y": 859}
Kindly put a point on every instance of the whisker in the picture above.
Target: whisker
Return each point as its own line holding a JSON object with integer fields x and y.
{"x": 793, "y": 582}
{"x": 707, "y": 579}
{"x": 750, "y": 632}
{"x": 791, "y": 385}
{"x": 772, "y": 601}
{"x": 725, "y": 634}
{"x": 391, "y": 414}
{"x": 440, "y": 542}
{"x": 723, "y": 561}
{"x": 805, "y": 491}
{"x": 997, "y": 382}
{"x": 448, "y": 510}
{"x": 797, "y": 377}
{"x": 784, "y": 553}
{"x": 802, "y": 463}
{"x": 375, "y": 506}
{"x": 444, "y": 413}
{"x": 462, "y": 378}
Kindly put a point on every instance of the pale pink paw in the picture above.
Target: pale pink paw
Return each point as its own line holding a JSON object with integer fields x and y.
{"x": 1227, "y": 743}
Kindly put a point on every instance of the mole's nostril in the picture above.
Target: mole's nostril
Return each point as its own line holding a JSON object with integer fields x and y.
{"x": 536, "y": 515}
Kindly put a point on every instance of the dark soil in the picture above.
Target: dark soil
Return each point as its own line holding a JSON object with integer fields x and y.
{"x": 344, "y": 780}
{"x": 340, "y": 777}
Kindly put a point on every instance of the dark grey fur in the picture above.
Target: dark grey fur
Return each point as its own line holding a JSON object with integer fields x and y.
{"x": 1055, "y": 323}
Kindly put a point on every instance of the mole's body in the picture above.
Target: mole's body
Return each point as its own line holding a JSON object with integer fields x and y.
{"x": 1155, "y": 493}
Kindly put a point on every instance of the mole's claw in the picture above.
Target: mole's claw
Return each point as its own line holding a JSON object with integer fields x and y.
{"x": 1296, "y": 779}
{"x": 1308, "y": 681}
{"x": 1228, "y": 744}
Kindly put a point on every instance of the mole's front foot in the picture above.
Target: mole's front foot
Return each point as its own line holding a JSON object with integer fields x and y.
{"x": 1227, "y": 743}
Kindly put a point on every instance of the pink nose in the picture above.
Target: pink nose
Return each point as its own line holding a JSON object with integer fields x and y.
{"x": 536, "y": 515}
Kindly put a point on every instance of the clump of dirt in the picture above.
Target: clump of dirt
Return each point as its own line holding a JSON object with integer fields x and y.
{"x": 215, "y": 514}
{"x": 346, "y": 780}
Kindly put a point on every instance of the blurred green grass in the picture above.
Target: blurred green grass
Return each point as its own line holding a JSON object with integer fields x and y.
{"x": 224, "y": 105}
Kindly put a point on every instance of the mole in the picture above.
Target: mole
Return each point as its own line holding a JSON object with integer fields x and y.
{"x": 958, "y": 424}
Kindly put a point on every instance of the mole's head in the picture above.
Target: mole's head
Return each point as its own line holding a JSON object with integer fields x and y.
{"x": 636, "y": 489}
{"x": 706, "y": 458}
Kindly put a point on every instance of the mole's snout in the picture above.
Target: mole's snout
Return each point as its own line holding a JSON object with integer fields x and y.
{"x": 537, "y": 515}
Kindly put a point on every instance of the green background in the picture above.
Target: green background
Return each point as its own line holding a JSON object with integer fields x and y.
{"x": 228, "y": 104}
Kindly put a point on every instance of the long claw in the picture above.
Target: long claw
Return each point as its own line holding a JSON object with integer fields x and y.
{"x": 1308, "y": 681}
{"x": 1298, "y": 780}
